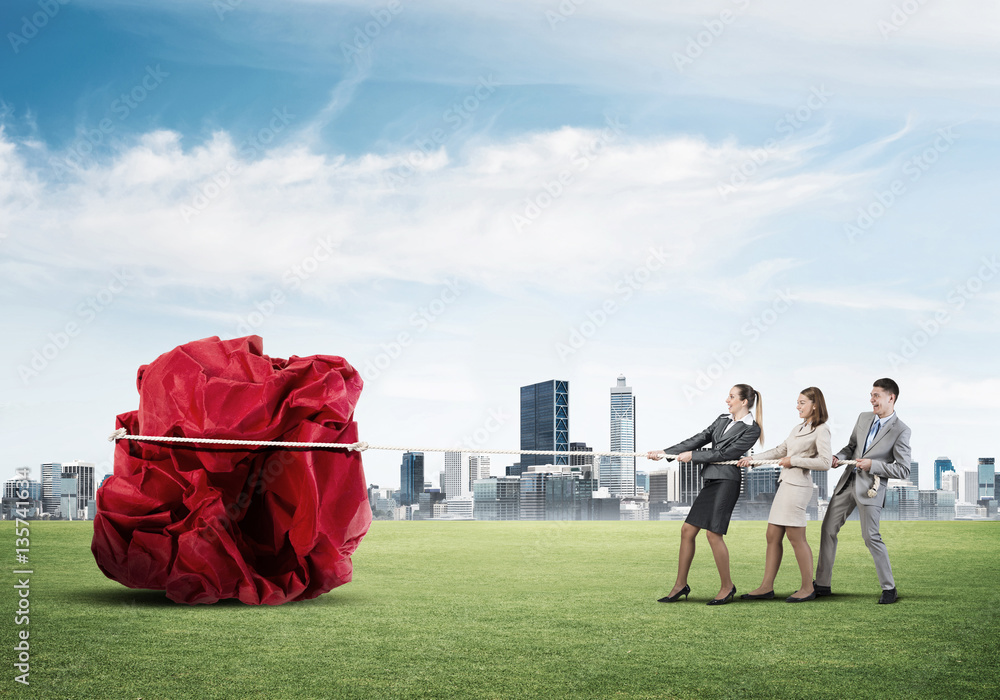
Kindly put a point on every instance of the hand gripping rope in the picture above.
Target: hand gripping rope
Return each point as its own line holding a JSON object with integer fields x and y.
{"x": 122, "y": 434}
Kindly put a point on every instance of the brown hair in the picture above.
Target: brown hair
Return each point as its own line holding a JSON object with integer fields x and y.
{"x": 819, "y": 415}
{"x": 752, "y": 396}
{"x": 889, "y": 385}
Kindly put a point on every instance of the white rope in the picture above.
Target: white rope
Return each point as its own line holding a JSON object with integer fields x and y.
{"x": 122, "y": 434}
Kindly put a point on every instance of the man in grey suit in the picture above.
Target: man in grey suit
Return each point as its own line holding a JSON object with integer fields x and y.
{"x": 881, "y": 445}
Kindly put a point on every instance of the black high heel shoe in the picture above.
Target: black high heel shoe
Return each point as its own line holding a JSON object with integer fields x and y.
{"x": 674, "y": 598}
{"x": 723, "y": 601}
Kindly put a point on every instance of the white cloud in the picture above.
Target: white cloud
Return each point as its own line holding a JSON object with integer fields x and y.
{"x": 565, "y": 209}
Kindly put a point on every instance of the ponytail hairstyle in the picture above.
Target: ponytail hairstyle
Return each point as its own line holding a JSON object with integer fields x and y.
{"x": 752, "y": 397}
{"x": 819, "y": 415}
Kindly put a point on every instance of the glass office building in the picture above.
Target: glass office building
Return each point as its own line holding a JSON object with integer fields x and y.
{"x": 620, "y": 477}
{"x": 941, "y": 465}
{"x": 496, "y": 498}
{"x": 545, "y": 422}
{"x": 411, "y": 478}
{"x": 987, "y": 477}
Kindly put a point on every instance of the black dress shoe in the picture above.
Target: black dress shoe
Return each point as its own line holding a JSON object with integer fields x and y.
{"x": 888, "y": 597}
{"x": 761, "y": 596}
{"x": 793, "y": 599}
{"x": 674, "y": 598}
{"x": 723, "y": 601}
{"x": 821, "y": 590}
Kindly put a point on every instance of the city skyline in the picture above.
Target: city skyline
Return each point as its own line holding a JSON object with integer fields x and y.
{"x": 793, "y": 198}
{"x": 498, "y": 462}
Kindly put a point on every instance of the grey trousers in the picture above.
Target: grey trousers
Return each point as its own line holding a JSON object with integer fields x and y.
{"x": 841, "y": 506}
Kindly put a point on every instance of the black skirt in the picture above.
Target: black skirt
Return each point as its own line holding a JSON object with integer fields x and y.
{"x": 714, "y": 505}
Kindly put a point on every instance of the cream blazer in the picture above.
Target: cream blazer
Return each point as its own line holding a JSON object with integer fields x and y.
{"x": 808, "y": 448}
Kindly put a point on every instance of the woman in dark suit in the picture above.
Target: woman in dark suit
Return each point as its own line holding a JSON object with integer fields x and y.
{"x": 731, "y": 435}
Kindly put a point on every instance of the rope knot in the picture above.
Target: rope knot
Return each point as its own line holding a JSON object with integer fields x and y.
{"x": 117, "y": 435}
{"x": 359, "y": 446}
{"x": 874, "y": 489}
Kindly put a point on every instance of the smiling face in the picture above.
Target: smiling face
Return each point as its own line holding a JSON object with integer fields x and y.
{"x": 805, "y": 407}
{"x": 735, "y": 403}
{"x": 882, "y": 401}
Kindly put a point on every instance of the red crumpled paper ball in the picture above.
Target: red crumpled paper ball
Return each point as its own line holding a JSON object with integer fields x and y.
{"x": 208, "y": 522}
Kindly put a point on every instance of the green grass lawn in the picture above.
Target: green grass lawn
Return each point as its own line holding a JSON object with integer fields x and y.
{"x": 528, "y": 610}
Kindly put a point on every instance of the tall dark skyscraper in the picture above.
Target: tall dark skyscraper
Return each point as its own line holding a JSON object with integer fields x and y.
{"x": 545, "y": 421}
{"x": 411, "y": 478}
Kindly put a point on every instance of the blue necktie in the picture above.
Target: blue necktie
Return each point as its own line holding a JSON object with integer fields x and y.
{"x": 872, "y": 433}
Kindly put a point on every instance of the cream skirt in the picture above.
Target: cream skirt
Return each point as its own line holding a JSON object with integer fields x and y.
{"x": 789, "y": 506}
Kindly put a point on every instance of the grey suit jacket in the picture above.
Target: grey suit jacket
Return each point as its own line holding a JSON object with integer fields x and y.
{"x": 889, "y": 453}
{"x": 726, "y": 445}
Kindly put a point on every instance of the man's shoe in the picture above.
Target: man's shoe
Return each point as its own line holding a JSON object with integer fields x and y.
{"x": 888, "y": 597}
{"x": 821, "y": 590}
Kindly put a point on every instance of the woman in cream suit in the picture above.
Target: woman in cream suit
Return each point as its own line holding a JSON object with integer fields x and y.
{"x": 808, "y": 447}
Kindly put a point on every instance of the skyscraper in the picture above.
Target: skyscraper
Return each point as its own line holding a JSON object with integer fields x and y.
{"x": 545, "y": 421}
{"x": 914, "y": 478}
{"x": 641, "y": 482}
{"x": 941, "y": 465}
{"x": 968, "y": 486}
{"x": 621, "y": 472}
{"x": 452, "y": 485}
{"x": 85, "y": 484}
{"x": 950, "y": 481}
{"x": 819, "y": 477}
{"x": 585, "y": 462}
{"x": 986, "y": 471}
{"x": 69, "y": 503}
{"x": 51, "y": 487}
{"x": 479, "y": 468}
{"x": 689, "y": 481}
{"x": 411, "y": 478}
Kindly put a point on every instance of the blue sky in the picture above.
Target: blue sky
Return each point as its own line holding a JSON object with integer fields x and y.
{"x": 738, "y": 192}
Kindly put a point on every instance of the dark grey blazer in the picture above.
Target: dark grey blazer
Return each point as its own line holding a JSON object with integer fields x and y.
{"x": 731, "y": 445}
